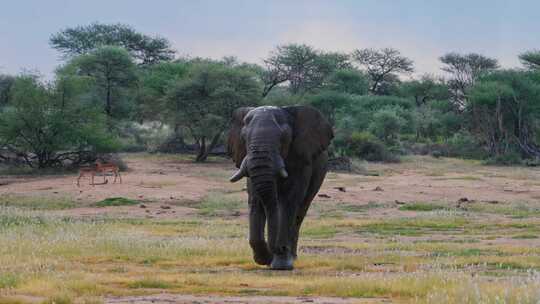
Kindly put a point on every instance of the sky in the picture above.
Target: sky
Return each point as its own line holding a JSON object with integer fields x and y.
{"x": 422, "y": 30}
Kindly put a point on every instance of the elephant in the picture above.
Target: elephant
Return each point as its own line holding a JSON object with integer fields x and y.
{"x": 282, "y": 152}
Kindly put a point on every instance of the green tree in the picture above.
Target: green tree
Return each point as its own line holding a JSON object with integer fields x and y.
{"x": 424, "y": 90}
{"x": 464, "y": 69}
{"x": 386, "y": 124}
{"x": 350, "y": 81}
{"x": 113, "y": 74}
{"x": 81, "y": 40}
{"x": 507, "y": 110}
{"x": 531, "y": 59}
{"x": 6, "y": 83}
{"x": 330, "y": 103}
{"x": 154, "y": 82}
{"x": 382, "y": 66}
{"x": 301, "y": 66}
{"x": 204, "y": 100}
{"x": 48, "y": 125}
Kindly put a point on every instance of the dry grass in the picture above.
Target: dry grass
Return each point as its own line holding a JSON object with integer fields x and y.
{"x": 427, "y": 252}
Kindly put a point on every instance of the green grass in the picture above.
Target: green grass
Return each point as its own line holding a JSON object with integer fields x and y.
{"x": 319, "y": 232}
{"x": 150, "y": 283}
{"x": 37, "y": 202}
{"x": 8, "y": 280}
{"x": 516, "y": 210}
{"x": 116, "y": 201}
{"x": 421, "y": 207}
{"x": 219, "y": 204}
{"x": 414, "y": 226}
{"x": 525, "y": 236}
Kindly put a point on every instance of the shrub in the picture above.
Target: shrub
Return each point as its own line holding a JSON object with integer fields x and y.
{"x": 365, "y": 145}
{"x": 508, "y": 159}
{"x": 49, "y": 125}
{"x": 386, "y": 124}
{"x": 463, "y": 144}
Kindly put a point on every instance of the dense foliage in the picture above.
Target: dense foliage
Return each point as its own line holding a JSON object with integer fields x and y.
{"x": 119, "y": 88}
{"x": 46, "y": 125}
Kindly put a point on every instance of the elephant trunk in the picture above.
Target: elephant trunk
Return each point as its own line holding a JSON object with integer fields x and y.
{"x": 263, "y": 169}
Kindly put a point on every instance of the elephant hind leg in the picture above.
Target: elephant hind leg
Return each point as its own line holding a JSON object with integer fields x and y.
{"x": 318, "y": 174}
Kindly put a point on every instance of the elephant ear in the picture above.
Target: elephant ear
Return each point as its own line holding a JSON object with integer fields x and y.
{"x": 311, "y": 132}
{"x": 235, "y": 145}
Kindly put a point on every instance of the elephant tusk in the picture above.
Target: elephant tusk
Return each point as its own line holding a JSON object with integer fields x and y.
{"x": 240, "y": 173}
{"x": 283, "y": 173}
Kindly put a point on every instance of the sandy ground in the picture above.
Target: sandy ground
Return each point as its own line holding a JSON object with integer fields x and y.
{"x": 166, "y": 187}
{"x": 185, "y": 299}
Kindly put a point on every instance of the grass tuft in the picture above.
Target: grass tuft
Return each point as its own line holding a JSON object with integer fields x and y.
{"x": 116, "y": 201}
{"x": 150, "y": 283}
{"x": 421, "y": 207}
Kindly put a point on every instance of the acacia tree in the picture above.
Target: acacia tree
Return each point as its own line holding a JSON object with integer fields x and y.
{"x": 81, "y": 40}
{"x": 382, "y": 66}
{"x": 507, "y": 107}
{"x": 464, "y": 70}
{"x": 425, "y": 89}
{"x": 6, "y": 83}
{"x": 154, "y": 81}
{"x": 47, "y": 124}
{"x": 531, "y": 59}
{"x": 205, "y": 99}
{"x": 113, "y": 74}
{"x": 349, "y": 81}
{"x": 302, "y": 66}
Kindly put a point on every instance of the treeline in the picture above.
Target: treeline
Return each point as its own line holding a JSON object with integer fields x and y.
{"x": 121, "y": 90}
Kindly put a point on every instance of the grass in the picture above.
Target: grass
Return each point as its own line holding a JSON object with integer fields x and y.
{"x": 37, "y": 202}
{"x": 150, "y": 283}
{"x": 486, "y": 253}
{"x": 68, "y": 259}
{"x": 116, "y": 201}
{"x": 218, "y": 204}
{"x": 422, "y": 207}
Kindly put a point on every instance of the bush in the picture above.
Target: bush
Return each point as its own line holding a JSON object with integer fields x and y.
{"x": 135, "y": 137}
{"x": 365, "y": 145}
{"x": 463, "y": 144}
{"x": 386, "y": 124}
{"x": 508, "y": 159}
{"x": 50, "y": 126}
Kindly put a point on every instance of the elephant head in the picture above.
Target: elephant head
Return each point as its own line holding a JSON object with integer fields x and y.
{"x": 269, "y": 145}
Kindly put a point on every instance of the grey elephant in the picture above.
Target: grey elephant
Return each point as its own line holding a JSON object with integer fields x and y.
{"x": 283, "y": 153}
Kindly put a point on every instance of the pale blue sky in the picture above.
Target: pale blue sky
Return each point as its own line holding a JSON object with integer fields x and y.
{"x": 421, "y": 29}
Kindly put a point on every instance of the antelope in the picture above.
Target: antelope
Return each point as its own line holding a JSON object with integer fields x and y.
{"x": 108, "y": 167}
{"x": 87, "y": 171}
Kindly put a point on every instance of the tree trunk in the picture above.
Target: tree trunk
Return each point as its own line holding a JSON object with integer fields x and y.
{"x": 108, "y": 107}
{"x": 204, "y": 152}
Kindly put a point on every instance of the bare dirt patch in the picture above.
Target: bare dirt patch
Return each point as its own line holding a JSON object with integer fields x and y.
{"x": 188, "y": 299}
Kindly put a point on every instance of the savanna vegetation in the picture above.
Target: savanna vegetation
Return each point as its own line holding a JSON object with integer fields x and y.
{"x": 121, "y": 90}
{"x": 420, "y": 229}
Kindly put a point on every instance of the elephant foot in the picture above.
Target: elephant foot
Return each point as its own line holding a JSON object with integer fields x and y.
{"x": 282, "y": 262}
{"x": 261, "y": 254}
{"x": 263, "y": 259}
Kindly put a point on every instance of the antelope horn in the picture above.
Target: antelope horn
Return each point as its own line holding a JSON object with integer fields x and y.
{"x": 240, "y": 173}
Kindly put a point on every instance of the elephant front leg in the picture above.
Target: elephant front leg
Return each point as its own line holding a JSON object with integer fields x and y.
{"x": 281, "y": 248}
{"x": 257, "y": 220}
